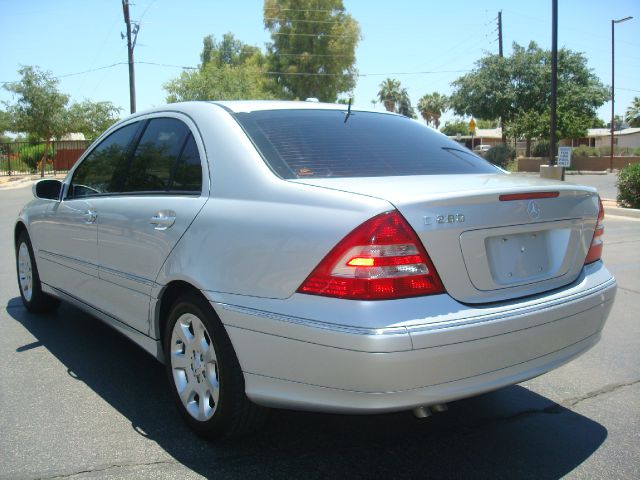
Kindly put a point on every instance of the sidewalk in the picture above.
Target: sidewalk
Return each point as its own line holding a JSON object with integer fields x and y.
{"x": 19, "y": 181}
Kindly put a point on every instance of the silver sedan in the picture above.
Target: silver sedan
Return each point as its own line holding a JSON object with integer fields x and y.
{"x": 310, "y": 256}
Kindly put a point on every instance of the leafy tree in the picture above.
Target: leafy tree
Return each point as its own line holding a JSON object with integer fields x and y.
{"x": 598, "y": 123}
{"x": 632, "y": 115}
{"x": 92, "y": 118}
{"x": 230, "y": 70}
{"x": 395, "y": 98}
{"x": 229, "y": 51}
{"x": 4, "y": 122}
{"x": 40, "y": 109}
{"x": 390, "y": 94}
{"x": 618, "y": 123}
{"x": 517, "y": 90}
{"x": 404, "y": 105}
{"x": 432, "y": 106}
{"x": 485, "y": 92}
{"x": 313, "y": 47}
{"x": 456, "y": 126}
{"x": 482, "y": 123}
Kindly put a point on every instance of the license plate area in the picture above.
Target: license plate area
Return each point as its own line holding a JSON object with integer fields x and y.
{"x": 517, "y": 255}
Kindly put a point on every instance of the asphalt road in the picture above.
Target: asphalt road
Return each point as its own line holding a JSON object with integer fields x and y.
{"x": 606, "y": 184}
{"x": 77, "y": 400}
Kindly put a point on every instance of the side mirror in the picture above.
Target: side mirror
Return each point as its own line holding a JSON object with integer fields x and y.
{"x": 47, "y": 189}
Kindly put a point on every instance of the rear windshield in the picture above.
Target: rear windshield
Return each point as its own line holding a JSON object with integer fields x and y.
{"x": 320, "y": 144}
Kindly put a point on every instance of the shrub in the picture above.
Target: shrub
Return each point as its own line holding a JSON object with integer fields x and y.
{"x": 541, "y": 149}
{"x": 585, "y": 151}
{"x": 629, "y": 186}
{"x": 500, "y": 155}
{"x": 636, "y": 152}
{"x": 31, "y": 155}
{"x": 512, "y": 166}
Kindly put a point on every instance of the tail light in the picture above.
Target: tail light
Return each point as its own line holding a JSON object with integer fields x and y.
{"x": 595, "y": 251}
{"x": 381, "y": 259}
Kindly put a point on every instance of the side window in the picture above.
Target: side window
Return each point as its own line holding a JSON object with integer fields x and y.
{"x": 156, "y": 155}
{"x": 101, "y": 171}
{"x": 188, "y": 173}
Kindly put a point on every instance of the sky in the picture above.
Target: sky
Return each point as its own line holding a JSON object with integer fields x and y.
{"x": 423, "y": 43}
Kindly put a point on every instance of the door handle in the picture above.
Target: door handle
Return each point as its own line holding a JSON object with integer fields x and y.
{"x": 90, "y": 216}
{"x": 163, "y": 219}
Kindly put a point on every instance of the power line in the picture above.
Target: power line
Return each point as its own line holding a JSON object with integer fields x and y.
{"x": 302, "y": 10}
{"x": 311, "y": 35}
{"x": 301, "y": 20}
{"x": 78, "y": 73}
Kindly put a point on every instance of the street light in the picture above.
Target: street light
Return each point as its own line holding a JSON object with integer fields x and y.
{"x": 613, "y": 22}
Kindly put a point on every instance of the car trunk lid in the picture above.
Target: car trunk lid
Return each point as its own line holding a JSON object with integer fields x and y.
{"x": 484, "y": 247}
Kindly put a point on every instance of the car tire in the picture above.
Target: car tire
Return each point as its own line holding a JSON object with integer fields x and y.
{"x": 33, "y": 298}
{"x": 204, "y": 374}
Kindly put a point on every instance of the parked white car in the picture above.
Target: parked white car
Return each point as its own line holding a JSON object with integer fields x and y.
{"x": 482, "y": 148}
{"x": 309, "y": 256}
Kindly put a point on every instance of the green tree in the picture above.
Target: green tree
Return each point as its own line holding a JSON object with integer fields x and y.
{"x": 517, "y": 90}
{"x": 432, "y": 106}
{"x": 404, "y": 105}
{"x": 229, "y": 51}
{"x": 92, "y": 118}
{"x": 312, "y": 49}
{"x": 230, "y": 70}
{"x": 390, "y": 93}
{"x": 395, "y": 98}
{"x": 632, "y": 115}
{"x": 40, "y": 109}
{"x": 456, "y": 126}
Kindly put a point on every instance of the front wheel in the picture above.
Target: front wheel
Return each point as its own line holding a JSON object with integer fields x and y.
{"x": 33, "y": 298}
{"x": 204, "y": 373}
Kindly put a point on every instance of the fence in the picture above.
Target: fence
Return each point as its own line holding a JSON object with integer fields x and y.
{"x": 23, "y": 158}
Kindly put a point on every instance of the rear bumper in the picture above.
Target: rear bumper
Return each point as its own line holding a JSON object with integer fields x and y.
{"x": 456, "y": 351}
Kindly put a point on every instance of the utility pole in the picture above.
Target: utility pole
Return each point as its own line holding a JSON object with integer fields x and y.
{"x": 613, "y": 94}
{"x": 554, "y": 83}
{"x": 132, "y": 75}
{"x": 500, "y": 33}
{"x": 504, "y": 135}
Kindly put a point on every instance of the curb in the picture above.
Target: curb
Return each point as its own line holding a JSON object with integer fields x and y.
{"x": 10, "y": 185}
{"x": 622, "y": 212}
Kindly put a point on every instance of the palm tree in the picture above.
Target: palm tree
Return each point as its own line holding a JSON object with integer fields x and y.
{"x": 633, "y": 113}
{"x": 432, "y": 106}
{"x": 390, "y": 94}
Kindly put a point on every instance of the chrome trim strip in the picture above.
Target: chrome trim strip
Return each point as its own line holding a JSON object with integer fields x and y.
{"x": 313, "y": 323}
{"x": 45, "y": 253}
{"x": 490, "y": 317}
{"x": 475, "y": 319}
{"x": 128, "y": 276}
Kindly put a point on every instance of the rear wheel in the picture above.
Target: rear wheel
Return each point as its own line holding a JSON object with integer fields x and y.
{"x": 204, "y": 374}
{"x": 31, "y": 292}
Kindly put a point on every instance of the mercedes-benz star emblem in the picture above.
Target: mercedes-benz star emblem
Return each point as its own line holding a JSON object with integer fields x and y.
{"x": 533, "y": 209}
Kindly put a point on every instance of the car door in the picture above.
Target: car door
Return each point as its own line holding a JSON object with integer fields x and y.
{"x": 161, "y": 194}
{"x": 68, "y": 253}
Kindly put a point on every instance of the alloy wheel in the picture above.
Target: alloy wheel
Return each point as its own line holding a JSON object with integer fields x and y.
{"x": 25, "y": 272}
{"x": 194, "y": 366}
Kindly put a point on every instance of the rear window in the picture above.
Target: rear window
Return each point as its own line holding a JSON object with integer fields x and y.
{"x": 320, "y": 144}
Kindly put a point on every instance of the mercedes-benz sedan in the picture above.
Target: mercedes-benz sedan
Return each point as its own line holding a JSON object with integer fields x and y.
{"x": 316, "y": 257}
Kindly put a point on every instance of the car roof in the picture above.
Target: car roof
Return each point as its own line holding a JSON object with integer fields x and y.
{"x": 243, "y": 106}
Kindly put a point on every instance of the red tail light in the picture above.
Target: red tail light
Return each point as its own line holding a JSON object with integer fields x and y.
{"x": 595, "y": 251}
{"x": 381, "y": 259}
